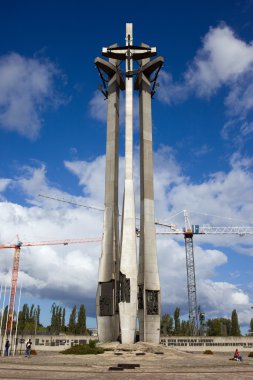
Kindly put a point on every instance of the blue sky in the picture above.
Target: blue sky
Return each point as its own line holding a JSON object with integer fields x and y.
{"x": 52, "y": 141}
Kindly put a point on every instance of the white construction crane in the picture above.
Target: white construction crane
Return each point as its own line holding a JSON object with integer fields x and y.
{"x": 188, "y": 231}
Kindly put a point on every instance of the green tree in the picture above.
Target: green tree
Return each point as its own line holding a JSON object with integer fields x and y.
{"x": 23, "y": 318}
{"x": 4, "y": 319}
{"x": 251, "y": 326}
{"x": 235, "y": 328}
{"x": 57, "y": 321}
{"x": 63, "y": 327}
{"x": 31, "y": 313}
{"x": 38, "y": 315}
{"x": 219, "y": 327}
{"x": 177, "y": 321}
{"x": 53, "y": 317}
{"x": 72, "y": 321}
{"x": 25, "y": 311}
{"x": 81, "y": 320}
{"x": 185, "y": 328}
{"x": 59, "y": 317}
{"x": 166, "y": 324}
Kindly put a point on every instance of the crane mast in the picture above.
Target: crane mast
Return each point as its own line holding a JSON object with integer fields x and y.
{"x": 15, "y": 267}
{"x": 14, "y": 280}
{"x": 191, "y": 278}
{"x": 191, "y": 284}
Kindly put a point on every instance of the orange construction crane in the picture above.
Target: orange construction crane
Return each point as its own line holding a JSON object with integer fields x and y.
{"x": 15, "y": 268}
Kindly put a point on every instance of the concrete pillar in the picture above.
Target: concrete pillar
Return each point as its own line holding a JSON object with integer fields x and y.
{"x": 149, "y": 298}
{"x": 128, "y": 260}
{"x": 107, "y": 305}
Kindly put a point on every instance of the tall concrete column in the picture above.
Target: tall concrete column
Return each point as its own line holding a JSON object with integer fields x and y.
{"x": 149, "y": 298}
{"x": 117, "y": 290}
{"x": 107, "y": 305}
{"x": 128, "y": 260}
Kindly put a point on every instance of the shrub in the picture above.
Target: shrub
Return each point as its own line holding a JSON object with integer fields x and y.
{"x": 92, "y": 343}
{"x": 208, "y": 352}
{"x": 250, "y": 355}
{"x": 83, "y": 349}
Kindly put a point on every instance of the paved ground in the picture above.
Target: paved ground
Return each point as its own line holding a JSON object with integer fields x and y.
{"x": 172, "y": 365}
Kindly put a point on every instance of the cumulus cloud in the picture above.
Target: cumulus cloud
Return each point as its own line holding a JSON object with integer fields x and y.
{"x": 224, "y": 60}
{"x": 172, "y": 267}
{"x": 69, "y": 273}
{"x": 4, "y": 183}
{"x": 210, "y": 293}
{"x": 66, "y": 271}
{"x": 170, "y": 92}
{"x": 98, "y": 107}
{"x": 227, "y": 191}
{"x": 28, "y": 87}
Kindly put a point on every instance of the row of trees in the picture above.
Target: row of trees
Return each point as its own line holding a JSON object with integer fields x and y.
{"x": 172, "y": 325}
{"x": 224, "y": 326}
{"x": 29, "y": 320}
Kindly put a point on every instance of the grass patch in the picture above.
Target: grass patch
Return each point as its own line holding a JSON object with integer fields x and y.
{"x": 84, "y": 349}
{"x": 250, "y": 355}
{"x": 208, "y": 352}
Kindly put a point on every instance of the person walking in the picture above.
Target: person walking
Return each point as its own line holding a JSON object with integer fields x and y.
{"x": 28, "y": 347}
{"x": 7, "y": 347}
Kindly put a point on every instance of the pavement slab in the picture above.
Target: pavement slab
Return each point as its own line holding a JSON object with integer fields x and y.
{"x": 171, "y": 364}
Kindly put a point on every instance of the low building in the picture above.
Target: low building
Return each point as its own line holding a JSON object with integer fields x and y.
{"x": 49, "y": 342}
{"x": 214, "y": 343}
{"x": 63, "y": 341}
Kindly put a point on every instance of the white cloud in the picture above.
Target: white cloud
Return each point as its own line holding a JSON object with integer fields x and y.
{"x": 170, "y": 92}
{"x": 4, "y": 183}
{"x": 47, "y": 271}
{"x": 223, "y": 297}
{"x": 216, "y": 298}
{"x": 87, "y": 173}
{"x": 91, "y": 177}
{"x": 172, "y": 269}
{"x": 224, "y": 60}
{"x": 27, "y": 89}
{"x": 167, "y": 175}
{"x": 98, "y": 107}
{"x": 70, "y": 273}
{"x": 230, "y": 192}
{"x": 202, "y": 151}
{"x": 240, "y": 98}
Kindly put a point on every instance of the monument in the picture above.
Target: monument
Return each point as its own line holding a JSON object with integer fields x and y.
{"x": 120, "y": 290}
